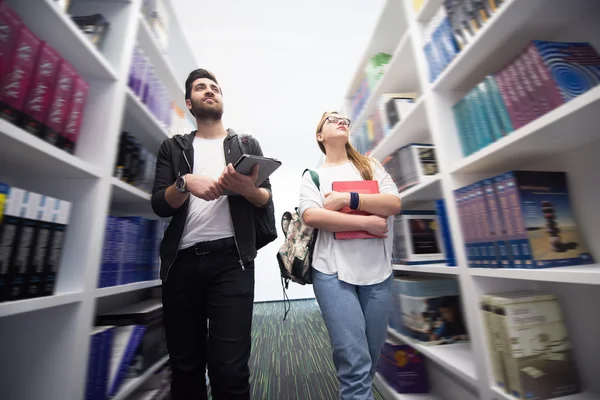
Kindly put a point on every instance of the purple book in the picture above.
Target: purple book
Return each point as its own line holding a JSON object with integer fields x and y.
{"x": 507, "y": 221}
{"x": 403, "y": 368}
{"x": 523, "y": 102}
{"x": 520, "y": 241}
{"x": 531, "y": 97}
{"x": 482, "y": 225}
{"x": 540, "y": 96}
{"x": 551, "y": 91}
{"x": 493, "y": 222}
{"x": 509, "y": 96}
{"x": 472, "y": 221}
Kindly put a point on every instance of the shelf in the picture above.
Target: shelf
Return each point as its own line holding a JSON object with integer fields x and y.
{"x": 456, "y": 358}
{"x": 412, "y": 129}
{"x": 131, "y": 287}
{"x": 129, "y": 386}
{"x": 39, "y": 303}
{"x": 429, "y": 190}
{"x": 160, "y": 62}
{"x": 583, "y": 274}
{"x": 429, "y": 269}
{"x": 140, "y": 122}
{"x": 390, "y": 394}
{"x": 501, "y": 395}
{"x": 564, "y": 128}
{"x": 428, "y": 10}
{"x": 23, "y": 152}
{"x": 397, "y": 70}
{"x": 51, "y": 24}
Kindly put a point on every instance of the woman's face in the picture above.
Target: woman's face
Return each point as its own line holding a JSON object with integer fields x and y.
{"x": 335, "y": 128}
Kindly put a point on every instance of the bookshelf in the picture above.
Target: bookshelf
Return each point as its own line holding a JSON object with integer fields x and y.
{"x": 564, "y": 139}
{"x": 46, "y": 340}
{"x": 131, "y": 385}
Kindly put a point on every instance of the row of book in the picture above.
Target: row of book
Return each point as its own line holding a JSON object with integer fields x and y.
{"x": 131, "y": 250}
{"x": 453, "y": 27}
{"x": 374, "y": 70}
{"x": 539, "y": 79}
{"x": 428, "y": 310}
{"x": 391, "y": 109}
{"x": 520, "y": 219}
{"x": 32, "y": 233}
{"x": 410, "y": 165}
{"x": 135, "y": 164}
{"x": 146, "y": 84}
{"x": 124, "y": 344}
{"x": 529, "y": 345}
{"x": 403, "y": 368}
{"x": 39, "y": 90}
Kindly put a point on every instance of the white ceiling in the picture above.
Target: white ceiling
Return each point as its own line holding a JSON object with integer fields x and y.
{"x": 280, "y": 63}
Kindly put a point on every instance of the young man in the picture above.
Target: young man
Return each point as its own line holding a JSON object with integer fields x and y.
{"x": 208, "y": 249}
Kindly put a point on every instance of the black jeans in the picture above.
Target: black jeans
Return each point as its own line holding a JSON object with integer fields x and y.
{"x": 211, "y": 287}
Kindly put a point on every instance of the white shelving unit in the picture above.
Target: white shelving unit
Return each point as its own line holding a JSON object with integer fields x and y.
{"x": 45, "y": 341}
{"x": 566, "y": 139}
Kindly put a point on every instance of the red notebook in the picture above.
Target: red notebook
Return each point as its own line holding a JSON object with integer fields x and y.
{"x": 368, "y": 187}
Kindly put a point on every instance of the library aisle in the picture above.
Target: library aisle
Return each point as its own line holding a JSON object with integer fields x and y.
{"x": 485, "y": 114}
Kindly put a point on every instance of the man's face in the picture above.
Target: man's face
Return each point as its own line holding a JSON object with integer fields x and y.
{"x": 206, "y": 100}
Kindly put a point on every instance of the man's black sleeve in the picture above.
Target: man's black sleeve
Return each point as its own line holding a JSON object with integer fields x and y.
{"x": 257, "y": 151}
{"x": 163, "y": 178}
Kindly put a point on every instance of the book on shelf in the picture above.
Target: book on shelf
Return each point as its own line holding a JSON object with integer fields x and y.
{"x": 32, "y": 228}
{"x": 417, "y": 239}
{"x": 543, "y": 76}
{"x": 360, "y": 187}
{"x": 530, "y": 346}
{"x": 403, "y": 368}
{"x": 375, "y": 68}
{"x": 61, "y": 104}
{"x": 409, "y": 165}
{"x": 521, "y": 219}
{"x": 125, "y": 343}
{"x": 101, "y": 344}
{"x": 394, "y": 107}
{"x": 75, "y": 115}
{"x": 94, "y": 26}
{"x": 134, "y": 164}
{"x": 431, "y": 309}
{"x": 445, "y": 231}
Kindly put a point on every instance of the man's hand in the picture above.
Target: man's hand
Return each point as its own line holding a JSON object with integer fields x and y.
{"x": 203, "y": 187}
{"x": 241, "y": 184}
{"x": 335, "y": 201}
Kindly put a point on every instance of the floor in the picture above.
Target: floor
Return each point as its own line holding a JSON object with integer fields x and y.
{"x": 291, "y": 359}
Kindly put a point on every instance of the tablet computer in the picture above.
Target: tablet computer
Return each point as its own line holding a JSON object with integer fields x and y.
{"x": 245, "y": 164}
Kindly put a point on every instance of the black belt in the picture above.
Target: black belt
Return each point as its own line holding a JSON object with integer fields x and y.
{"x": 213, "y": 246}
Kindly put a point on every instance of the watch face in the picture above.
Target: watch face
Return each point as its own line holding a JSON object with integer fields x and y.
{"x": 180, "y": 184}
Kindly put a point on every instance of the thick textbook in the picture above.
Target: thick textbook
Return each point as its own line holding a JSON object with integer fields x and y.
{"x": 368, "y": 187}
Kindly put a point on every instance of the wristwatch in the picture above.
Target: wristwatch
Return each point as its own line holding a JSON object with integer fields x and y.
{"x": 180, "y": 184}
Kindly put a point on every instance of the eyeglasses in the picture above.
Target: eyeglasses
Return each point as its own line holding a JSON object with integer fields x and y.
{"x": 334, "y": 120}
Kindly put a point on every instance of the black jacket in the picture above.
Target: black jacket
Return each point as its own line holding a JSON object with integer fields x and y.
{"x": 176, "y": 158}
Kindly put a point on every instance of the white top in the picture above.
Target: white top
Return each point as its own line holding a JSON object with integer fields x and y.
{"x": 356, "y": 261}
{"x": 207, "y": 220}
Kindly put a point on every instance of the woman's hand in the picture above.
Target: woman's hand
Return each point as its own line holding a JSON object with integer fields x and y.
{"x": 335, "y": 201}
{"x": 376, "y": 225}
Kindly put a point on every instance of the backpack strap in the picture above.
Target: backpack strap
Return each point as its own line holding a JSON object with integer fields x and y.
{"x": 314, "y": 176}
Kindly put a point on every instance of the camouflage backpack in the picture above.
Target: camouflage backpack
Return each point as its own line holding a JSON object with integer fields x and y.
{"x": 295, "y": 254}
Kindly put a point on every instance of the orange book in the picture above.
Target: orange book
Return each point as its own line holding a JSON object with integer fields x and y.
{"x": 368, "y": 187}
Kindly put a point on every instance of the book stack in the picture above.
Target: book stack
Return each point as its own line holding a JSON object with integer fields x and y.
{"x": 452, "y": 27}
{"x": 130, "y": 252}
{"x": 32, "y": 233}
{"x": 417, "y": 239}
{"x": 430, "y": 310}
{"x": 410, "y": 165}
{"x": 520, "y": 219}
{"x": 39, "y": 91}
{"x": 542, "y": 77}
{"x": 403, "y": 368}
{"x": 124, "y": 344}
{"x": 529, "y": 345}
{"x": 135, "y": 164}
{"x": 146, "y": 85}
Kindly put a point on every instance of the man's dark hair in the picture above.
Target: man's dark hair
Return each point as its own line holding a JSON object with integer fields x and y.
{"x": 197, "y": 74}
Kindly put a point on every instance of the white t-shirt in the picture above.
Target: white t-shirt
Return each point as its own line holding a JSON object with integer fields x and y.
{"x": 356, "y": 261}
{"x": 207, "y": 220}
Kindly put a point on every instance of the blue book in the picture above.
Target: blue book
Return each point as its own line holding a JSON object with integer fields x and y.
{"x": 574, "y": 66}
{"x": 499, "y": 107}
{"x": 126, "y": 340}
{"x": 491, "y": 120}
{"x": 460, "y": 128}
{"x": 440, "y": 206}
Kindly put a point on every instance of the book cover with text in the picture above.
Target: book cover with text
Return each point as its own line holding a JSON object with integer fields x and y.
{"x": 364, "y": 187}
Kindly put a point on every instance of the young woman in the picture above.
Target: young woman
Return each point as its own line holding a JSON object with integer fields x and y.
{"x": 352, "y": 279}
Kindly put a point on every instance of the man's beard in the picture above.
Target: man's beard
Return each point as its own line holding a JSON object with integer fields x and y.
{"x": 207, "y": 112}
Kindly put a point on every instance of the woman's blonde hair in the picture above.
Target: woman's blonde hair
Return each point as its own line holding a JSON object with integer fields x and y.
{"x": 360, "y": 162}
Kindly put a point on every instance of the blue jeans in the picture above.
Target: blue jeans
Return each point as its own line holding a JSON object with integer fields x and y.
{"x": 356, "y": 318}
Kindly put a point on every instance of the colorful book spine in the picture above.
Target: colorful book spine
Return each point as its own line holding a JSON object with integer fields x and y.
{"x": 491, "y": 119}
{"x": 500, "y": 257}
{"x": 61, "y": 104}
{"x": 539, "y": 95}
{"x": 10, "y": 26}
{"x": 535, "y": 108}
{"x": 75, "y": 115}
{"x": 440, "y": 206}
{"x": 522, "y": 99}
{"x": 506, "y": 218}
{"x": 61, "y": 211}
{"x": 509, "y": 97}
{"x": 519, "y": 242}
{"x": 498, "y": 104}
{"x": 551, "y": 91}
